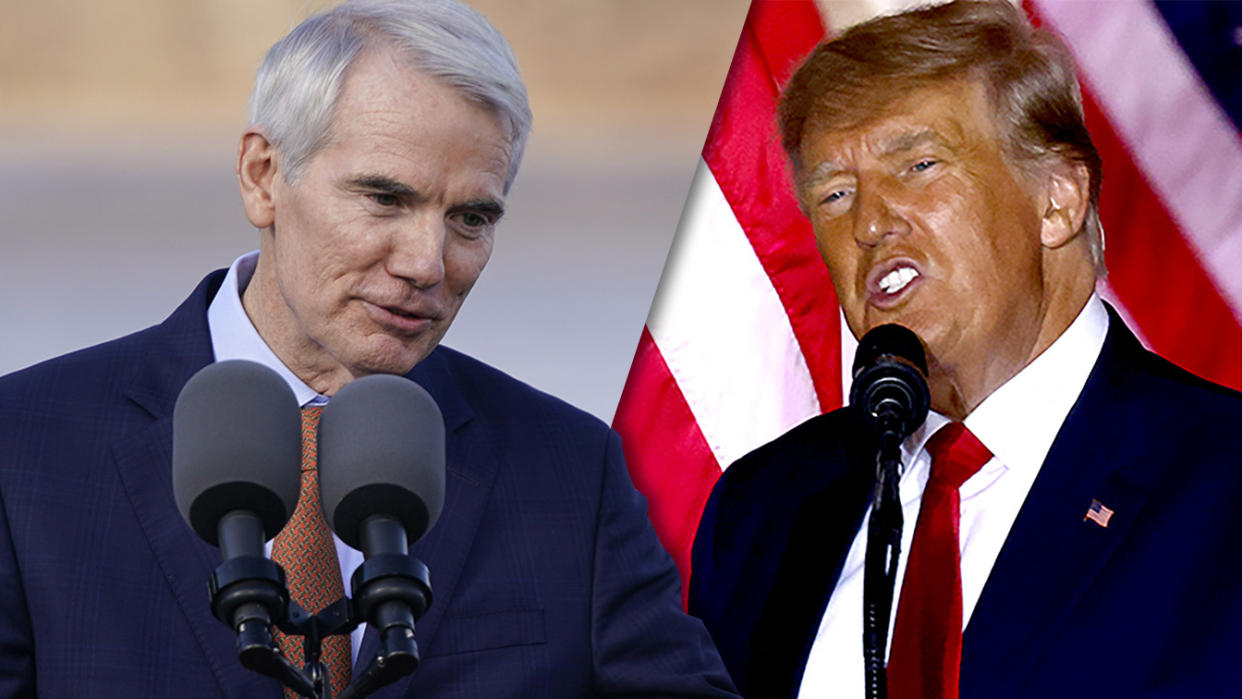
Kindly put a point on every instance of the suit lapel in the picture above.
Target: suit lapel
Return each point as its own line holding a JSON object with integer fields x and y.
{"x": 175, "y": 350}
{"x": 1054, "y": 552}
{"x": 472, "y": 462}
{"x": 185, "y": 560}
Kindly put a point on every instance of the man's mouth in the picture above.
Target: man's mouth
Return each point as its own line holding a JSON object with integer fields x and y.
{"x": 897, "y": 279}
{"x": 889, "y": 283}
{"x": 403, "y": 313}
{"x": 403, "y": 319}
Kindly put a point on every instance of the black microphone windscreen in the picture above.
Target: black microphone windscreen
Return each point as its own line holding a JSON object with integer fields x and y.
{"x": 890, "y": 380}
{"x": 381, "y": 452}
{"x": 237, "y": 445}
{"x": 893, "y": 340}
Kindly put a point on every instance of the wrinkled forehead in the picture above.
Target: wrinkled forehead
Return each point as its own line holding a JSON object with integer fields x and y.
{"x": 951, "y": 114}
{"x": 838, "y": 151}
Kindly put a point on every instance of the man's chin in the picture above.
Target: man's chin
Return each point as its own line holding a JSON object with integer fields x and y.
{"x": 390, "y": 360}
{"x": 874, "y": 318}
{"x": 911, "y": 315}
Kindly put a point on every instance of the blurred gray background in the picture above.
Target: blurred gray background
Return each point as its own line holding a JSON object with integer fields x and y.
{"x": 118, "y": 132}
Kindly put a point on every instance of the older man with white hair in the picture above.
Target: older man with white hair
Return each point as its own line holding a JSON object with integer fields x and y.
{"x": 384, "y": 137}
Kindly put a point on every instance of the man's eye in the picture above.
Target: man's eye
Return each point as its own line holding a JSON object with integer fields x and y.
{"x": 473, "y": 223}
{"x": 384, "y": 199}
{"x": 924, "y": 164}
{"x": 834, "y": 196}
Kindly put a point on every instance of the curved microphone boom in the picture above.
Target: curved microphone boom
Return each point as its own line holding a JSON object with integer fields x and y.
{"x": 381, "y": 483}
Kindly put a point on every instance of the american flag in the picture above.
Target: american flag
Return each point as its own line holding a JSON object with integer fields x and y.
{"x": 744, "y": 339}
{"x": 1098, "y": 513}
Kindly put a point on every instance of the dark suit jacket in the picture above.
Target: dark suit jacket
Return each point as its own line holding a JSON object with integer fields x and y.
{"x": 1150, "y": 606}
{"x": 548, "y": 579}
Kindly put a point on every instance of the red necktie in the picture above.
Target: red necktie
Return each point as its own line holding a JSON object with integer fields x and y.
{"x": 305, "y": 549}
{"x": 927, "y": 638}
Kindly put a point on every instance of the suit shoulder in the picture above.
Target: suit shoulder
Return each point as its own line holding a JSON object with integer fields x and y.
{"x": 103, "y": 369}
{"x": 496, "y": 393}
{"x": 1191, "y": 385}
{"x": 1180, "y": 398}
{"x": 799, "y": 455}
{"x": 96, "y": 370}
{"x": 751, "y": 504}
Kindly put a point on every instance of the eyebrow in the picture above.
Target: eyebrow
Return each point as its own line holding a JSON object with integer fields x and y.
{"x": 909, "y": 141}
{"x": 491, "y": 207}
{"x": 382, "y": 183}
{"x": 387, "y": 185}
{"x": 824, "y": 171}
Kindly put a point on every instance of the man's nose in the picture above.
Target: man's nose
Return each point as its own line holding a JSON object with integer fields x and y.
{"x": 416, "y": 251}
{"x": 877, "y": 218}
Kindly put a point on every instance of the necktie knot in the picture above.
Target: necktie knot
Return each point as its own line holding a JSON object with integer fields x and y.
{"x": 956, "y": 454}
{"x": 310, "y": 439}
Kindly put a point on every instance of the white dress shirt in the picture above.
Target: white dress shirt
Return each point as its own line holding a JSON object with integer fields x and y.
{"x": 1017, "y": 423}
{"x": 233, "y": 336}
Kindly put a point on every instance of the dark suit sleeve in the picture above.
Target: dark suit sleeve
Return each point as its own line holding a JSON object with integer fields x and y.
{"x": 16, "y": 640}
{"x": 643, "y": 644}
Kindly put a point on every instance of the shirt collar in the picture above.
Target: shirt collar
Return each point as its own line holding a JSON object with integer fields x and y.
{"x": 1019, "y": 421}
{"x": 233, "y": 336}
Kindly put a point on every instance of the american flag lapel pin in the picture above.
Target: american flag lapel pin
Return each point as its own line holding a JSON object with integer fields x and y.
{"x": 1098, "y": 513}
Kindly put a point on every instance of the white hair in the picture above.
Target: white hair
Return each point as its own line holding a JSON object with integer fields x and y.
{"x": 298, "y": 85}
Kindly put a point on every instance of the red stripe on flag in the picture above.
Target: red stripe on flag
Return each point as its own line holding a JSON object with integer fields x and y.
{"x": 669, "y": 458}
{"x": 1152, "y": 268}
{"x": 744, "y": 154}
{"x": 784, "y": 33}
{"x": 1154, "y": 271}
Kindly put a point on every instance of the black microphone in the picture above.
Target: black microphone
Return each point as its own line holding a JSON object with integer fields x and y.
{"x": 381, "y": 483}
{"x": 237, "y": 453}
{"x": 890, "y": 390}
{"x": 890, "y": 381}
{"x": 381, "y": 455}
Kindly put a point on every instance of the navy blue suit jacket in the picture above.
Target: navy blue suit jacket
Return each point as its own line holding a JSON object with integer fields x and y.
{"x": 1149, "y": 606}
{"x": 548, "y": 579}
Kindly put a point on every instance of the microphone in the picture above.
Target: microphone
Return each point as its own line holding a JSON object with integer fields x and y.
{"x": 890, "y": 389}
{"x": 890, "y": 381}
{"x": 381, "y": 454}
{"x": 237, "y": 449}
{"x": 236, "y": 455}
{"x": 381, "y": 483}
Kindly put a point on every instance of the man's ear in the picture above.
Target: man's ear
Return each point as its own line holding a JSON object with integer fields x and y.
{"x": 1067, "y": 188}
{"x": 257, "y": 170}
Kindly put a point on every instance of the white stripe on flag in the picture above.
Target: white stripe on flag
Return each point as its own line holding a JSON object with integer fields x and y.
{"x": 849, "y": 346}
{"x": 723, "y": 332}
{"x": 1178, "y": 135}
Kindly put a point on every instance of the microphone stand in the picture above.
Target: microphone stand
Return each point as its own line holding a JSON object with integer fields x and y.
{"x": 248, "y": 593}
{"x": 883, "y": 551}
{"x": 890, "y": 388}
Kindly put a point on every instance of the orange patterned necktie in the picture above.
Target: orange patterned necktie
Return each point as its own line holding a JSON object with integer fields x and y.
{"x": 305, "y": 549}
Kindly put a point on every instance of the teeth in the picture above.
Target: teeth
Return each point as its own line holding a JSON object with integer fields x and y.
{"x": 897, "y": 279}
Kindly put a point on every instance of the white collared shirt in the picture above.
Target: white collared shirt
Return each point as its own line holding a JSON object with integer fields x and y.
{"x": 1017, "y": 423}
{"x": 233, "y": 336}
